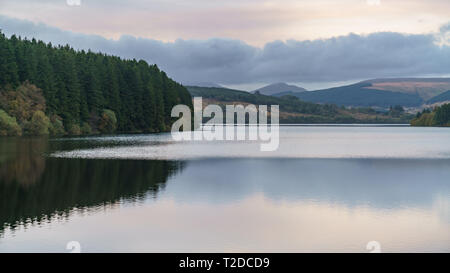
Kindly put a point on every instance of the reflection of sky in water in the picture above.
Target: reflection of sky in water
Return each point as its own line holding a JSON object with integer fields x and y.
{"x": 295, "y": 142}
{"x": 252, "y": 224}
{"x": 377, "y": 183}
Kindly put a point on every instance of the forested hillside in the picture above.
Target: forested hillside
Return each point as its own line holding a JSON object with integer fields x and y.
{"x": 294, "y": 110}
{"x": 439, "y": 116}
{"x": 56, "y": 89}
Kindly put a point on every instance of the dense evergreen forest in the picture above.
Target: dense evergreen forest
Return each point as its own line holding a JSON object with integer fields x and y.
{"x": 46, "y": 89}
{"x": 439, "y": 116}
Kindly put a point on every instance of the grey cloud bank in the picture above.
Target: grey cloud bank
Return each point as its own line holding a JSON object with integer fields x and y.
{"x": 225, "y": 61}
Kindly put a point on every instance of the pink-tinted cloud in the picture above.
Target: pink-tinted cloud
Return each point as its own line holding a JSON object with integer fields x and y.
{"x": 255, "y": 22}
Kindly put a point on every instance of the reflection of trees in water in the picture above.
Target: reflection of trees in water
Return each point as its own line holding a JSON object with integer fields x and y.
{"x": 21, "y": 160}
{"x": 54, "y": 186}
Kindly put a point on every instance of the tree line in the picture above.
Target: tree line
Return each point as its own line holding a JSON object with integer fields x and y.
{"x": 294, "y": 110}
{"x": 439, "y": 116}
{"x": 60, "y": 90}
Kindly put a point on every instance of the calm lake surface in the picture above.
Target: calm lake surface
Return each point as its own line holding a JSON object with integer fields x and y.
{"x": 327, "y": 188}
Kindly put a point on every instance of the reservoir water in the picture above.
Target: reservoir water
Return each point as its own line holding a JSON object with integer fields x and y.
{"x": 326, "y": 189}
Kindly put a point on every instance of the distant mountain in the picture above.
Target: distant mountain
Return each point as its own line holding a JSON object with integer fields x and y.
{"x": 360, "y": 95}
{"x": 277, "y": 88}
{"x": 440, "y": 98}
{"x": 408, "y": 92}
{"x": 203, "y": 84}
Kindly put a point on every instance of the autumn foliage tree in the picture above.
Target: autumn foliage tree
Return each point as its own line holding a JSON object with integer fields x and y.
{"x": 38, "y": 125}
{"x": 8, "y": 125}
{"x": 22, "y": 102}
{"x": 108, "y": 122}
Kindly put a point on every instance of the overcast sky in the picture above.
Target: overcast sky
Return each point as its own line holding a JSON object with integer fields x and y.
{"x": 248, "y": 42}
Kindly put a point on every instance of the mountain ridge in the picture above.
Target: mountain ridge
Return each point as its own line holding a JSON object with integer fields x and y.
{"x": 383, "y": 93}
{"x": 443, "y": 97}
{"x": 279, "y": 87}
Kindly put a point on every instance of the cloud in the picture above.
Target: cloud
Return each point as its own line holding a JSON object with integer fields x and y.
{"x": 443, "y": 37}
{"x": 226, "y": 61}
{"x": 253, "y": 21}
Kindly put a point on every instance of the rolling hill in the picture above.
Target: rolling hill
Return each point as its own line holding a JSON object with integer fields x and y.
{"x": 203, "y": 84}
{"x": 358, "y": 95}
{"x": 443, "y": 97}
{"x": 380, "y": 93}
{"x": 278, "y": 88}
